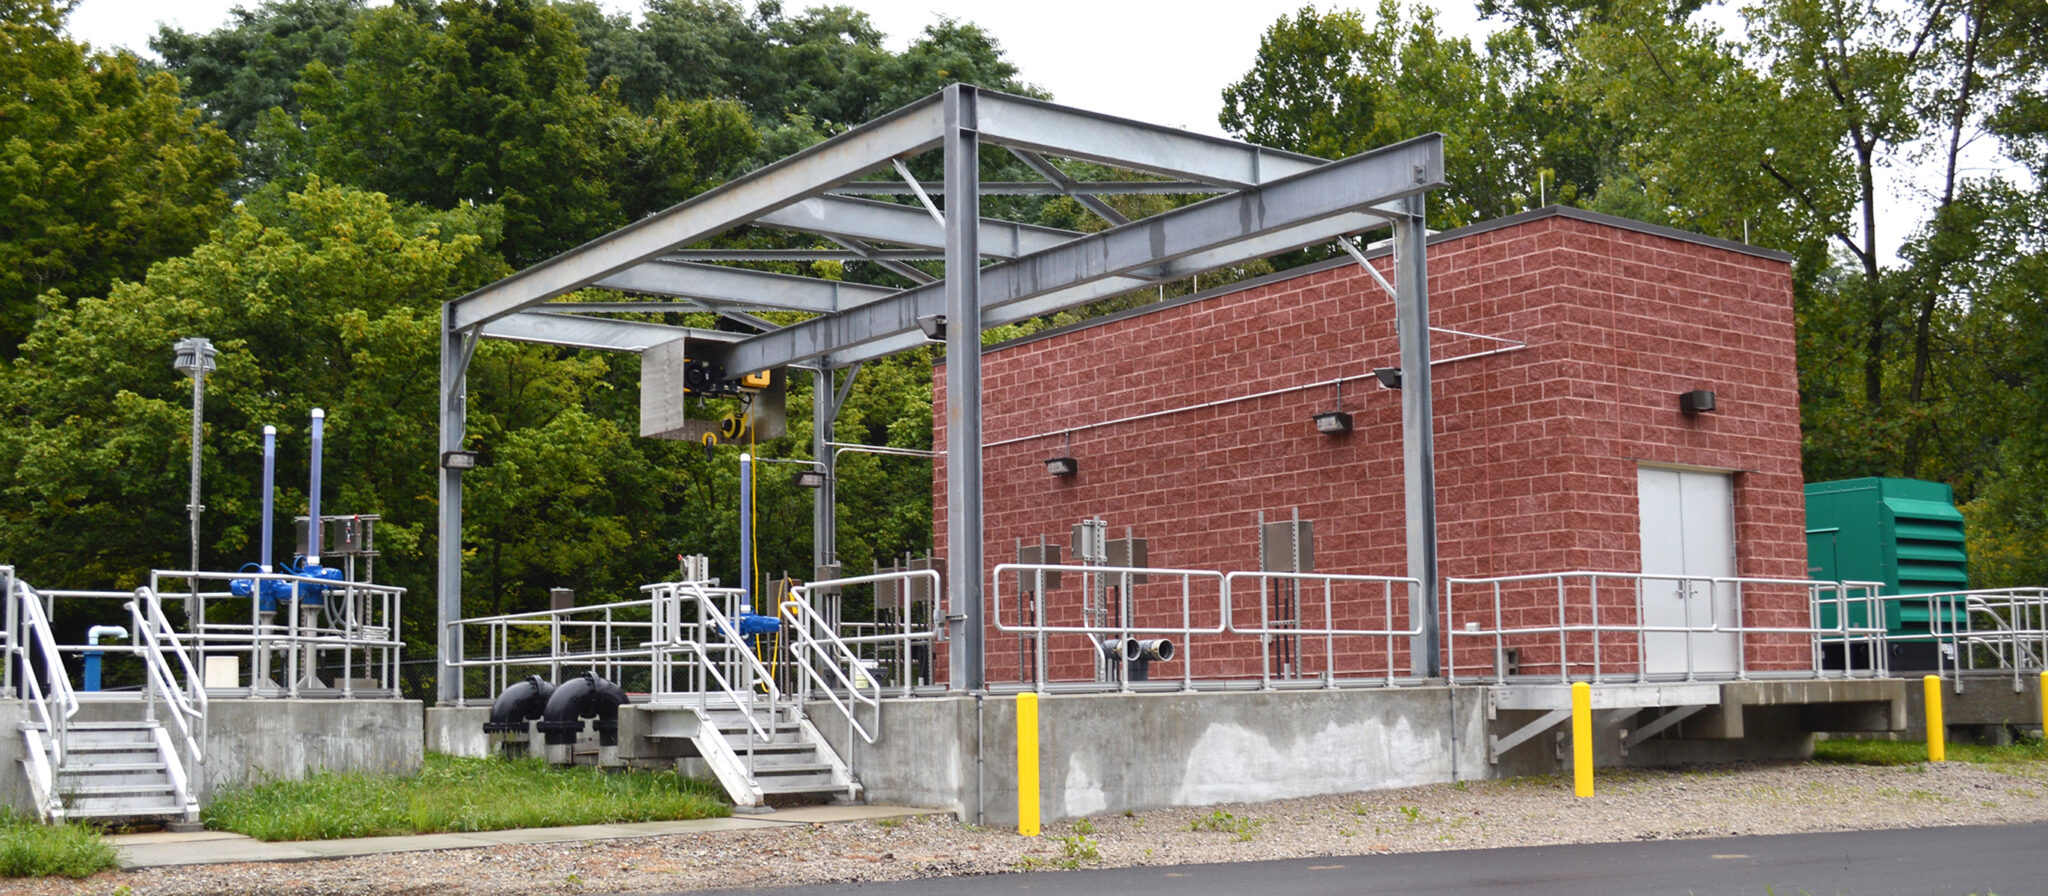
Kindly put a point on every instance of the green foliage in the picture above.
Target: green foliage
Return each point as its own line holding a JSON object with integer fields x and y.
{"x": 1914, "y": 752}
{"x": 455, "y": 794}
{"x": 323, "y": 298}
{"x": 103, "y": 168}
{"x": 29, "y": 848}
{"x": 1244, "y": 829}
{"x": 246, "y": 68}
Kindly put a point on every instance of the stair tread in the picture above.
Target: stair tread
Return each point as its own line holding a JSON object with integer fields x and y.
{"x": 826, "y": 787}
{"x": 88, "y": 790}
{"x": 150, "y": 809}
{"x": 111, "y": 767}
{"x": 114, "y": 726}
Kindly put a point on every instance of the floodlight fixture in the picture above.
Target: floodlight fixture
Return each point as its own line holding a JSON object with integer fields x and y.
{"x": 1389, "y": 377}
{"x": 1333, "y": 423}
{"x": 1062, "y": 466}
{"x": 810, "y": 479}
{"x": 194, "y": 355}
{"x": 458, "y": 460}
{"x": 1696, "y": 402}
{"x": 934, "y": 327}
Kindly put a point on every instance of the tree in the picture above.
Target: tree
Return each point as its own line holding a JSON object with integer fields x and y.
{"x": 327, "y": 298}
{"x": 1330, "y": 85}
{"x": 468, "y": 102}
{"x": 102, "y": 170}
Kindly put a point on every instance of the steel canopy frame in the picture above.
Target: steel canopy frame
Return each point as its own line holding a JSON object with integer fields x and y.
{"x": 1265, "y": 201}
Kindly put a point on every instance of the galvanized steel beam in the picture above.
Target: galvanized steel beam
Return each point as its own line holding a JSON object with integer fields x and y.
{"x": 1015, "y": 121}
{"x": 962, "y": 296}
{"x": 1291, "y": 204}
{"x": 904, "y": 225}
{"x": 608, "y": 334}
{"x": 912, "y": 129}
{"x": 743, "y": 287}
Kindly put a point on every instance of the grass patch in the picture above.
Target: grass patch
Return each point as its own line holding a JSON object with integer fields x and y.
{"x": 457, "y": 794}
{"x": 29, "y": 848}
{"x": 1914, "y": 752}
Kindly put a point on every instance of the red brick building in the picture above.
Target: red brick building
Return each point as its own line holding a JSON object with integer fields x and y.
{"x": 1547, "y": 453}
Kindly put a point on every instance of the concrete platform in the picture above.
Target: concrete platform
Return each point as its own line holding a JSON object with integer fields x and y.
{"x": 159, "y": 850}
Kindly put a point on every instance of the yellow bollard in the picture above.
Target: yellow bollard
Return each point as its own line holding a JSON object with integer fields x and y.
{"x": 1027, "y": 764}
{"x": 1937, "y": 731}
{"x": 2044, "y": 704}
{"x": 1582, "y": 738}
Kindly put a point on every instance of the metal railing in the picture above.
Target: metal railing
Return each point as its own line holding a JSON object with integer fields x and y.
{"x": 49, "y": 697}
{"x": 610, "y": 639}
{"x": 1581, "y": 635}
{"x": 719, "y": 653}
{"x": 1100, "y": 618}
{"x": 351, "y": 618}
{"x": 1285, "y": 587}
{"x": 1997, "y": 631}
{"x": 159, "y": 644}
{"x": 829, "y": 663}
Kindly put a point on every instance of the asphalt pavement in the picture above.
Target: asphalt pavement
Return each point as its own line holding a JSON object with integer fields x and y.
{"x": 2007, "y": 860}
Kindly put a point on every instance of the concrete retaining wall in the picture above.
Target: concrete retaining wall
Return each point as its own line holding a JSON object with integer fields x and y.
{"x": 250, "y": 741}
{"x": 1110, "y": 753}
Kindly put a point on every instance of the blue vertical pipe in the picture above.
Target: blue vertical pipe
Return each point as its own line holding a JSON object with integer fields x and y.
{"x": 269, "y": 487}
{"x": 313, "y": 532}
{"x": 746, "y": 533}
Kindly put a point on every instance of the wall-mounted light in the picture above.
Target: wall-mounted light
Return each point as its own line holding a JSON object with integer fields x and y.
{"x": 934, "y": 327}
{"x": 1389, "y": 377}
{"x": 1698, "y": 401}
{"x": 1333, "y": 423}
{"x": 1062, "y": 466}
{"x": 458, "y": 460}
{"x": 810, "y": 479}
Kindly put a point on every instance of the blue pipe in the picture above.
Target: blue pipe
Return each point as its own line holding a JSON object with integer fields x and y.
{"x": 313, "y": 531}
{"x": 269, "y": 487}
{"x": 746, "y": 533}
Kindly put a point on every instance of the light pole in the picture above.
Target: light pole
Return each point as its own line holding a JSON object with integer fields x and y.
{"x": 195, "y": 359}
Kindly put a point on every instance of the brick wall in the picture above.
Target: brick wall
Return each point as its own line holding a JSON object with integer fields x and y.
{"x": 1537, "y": 449}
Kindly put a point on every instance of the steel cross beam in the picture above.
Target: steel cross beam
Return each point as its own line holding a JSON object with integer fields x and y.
{"x": 905, "y": 225}
{"x": 907, "y": 131}
{"x": 609, "y": 334}
{"x": 1017, "y": 122}
{"x": 741, "y": 287}
{"x": 1296, "y": 203}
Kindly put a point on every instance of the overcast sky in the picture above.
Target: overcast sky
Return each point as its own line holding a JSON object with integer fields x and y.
{"x": 1156, "y": 62}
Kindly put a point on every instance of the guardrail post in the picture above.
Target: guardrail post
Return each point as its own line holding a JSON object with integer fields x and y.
{"x": 1027, "y": 764}
{"x": 1582, "y": 739}
{"x": 1937, "y": 730}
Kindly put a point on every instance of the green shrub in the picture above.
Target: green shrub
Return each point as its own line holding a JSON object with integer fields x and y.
{"x": 456, "y": 794}
{"x": 29, "y": 848}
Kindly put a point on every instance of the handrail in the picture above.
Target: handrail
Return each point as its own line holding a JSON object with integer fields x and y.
{"x": 188, "y": 704}
{"x": 807, "y": 623}
{"x": 1266, "y": 630}
{"x": 54, "y": 707}
{"x": 1123, "y": 616}
{"x": 1635, "y": 581}
{"x": 733, "y": 644}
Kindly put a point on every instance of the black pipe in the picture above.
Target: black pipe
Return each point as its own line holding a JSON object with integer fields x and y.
{"x": 522, "y": 702}
{"x": 586, "y": 696}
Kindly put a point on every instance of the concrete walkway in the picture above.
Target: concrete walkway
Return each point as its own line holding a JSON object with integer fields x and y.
{"x": 157, "y": 850}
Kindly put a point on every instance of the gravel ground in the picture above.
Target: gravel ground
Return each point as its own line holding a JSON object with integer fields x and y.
{"x": 1705, "y": 801}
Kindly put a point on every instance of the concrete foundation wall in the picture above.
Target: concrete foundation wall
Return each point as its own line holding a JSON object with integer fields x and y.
{"x": 250, "y": 741}
{"x": 458, "y": 730}
{"x": 1110, "y": 753}
{"x": 1988, "y": 710}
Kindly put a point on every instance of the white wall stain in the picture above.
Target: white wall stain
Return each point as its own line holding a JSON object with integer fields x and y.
{"x": 1084, "y": 794}
{"x": 1233, "y": 763}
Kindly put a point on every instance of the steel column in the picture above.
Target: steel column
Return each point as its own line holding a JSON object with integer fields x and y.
{"x": 824, "y": 522}
{"x": 1418, "y": 444}
{"x": 963, "y": 390}
{"x": 456, "y": 348}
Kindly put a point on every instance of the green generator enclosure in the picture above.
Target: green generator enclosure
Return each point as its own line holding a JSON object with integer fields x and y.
{"x": 1905, "y": 533}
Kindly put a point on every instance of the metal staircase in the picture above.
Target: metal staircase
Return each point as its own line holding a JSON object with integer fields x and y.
{"x": 778, "y": 757}
{"x": 124, "y": 769}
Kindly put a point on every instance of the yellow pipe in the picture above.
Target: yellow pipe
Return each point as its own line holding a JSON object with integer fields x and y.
{"x": 1582, "y": 738}
{"x": 2044, "y": 704}
{"x": 1937, "y": 731}
{"x": 1027, "y": 764}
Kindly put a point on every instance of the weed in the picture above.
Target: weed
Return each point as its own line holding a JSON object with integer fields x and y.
{"x": 1076, "y": 849}
{"x": 1414, "y": 813}
{"x": 456, "y": 794}
{"x": 1084, "y": 826}
{"x": 29, "y": 848}
{"x": 1461, "y": 785}
{"x": 1244, "y": 828}
{"x": 896, "y": 822}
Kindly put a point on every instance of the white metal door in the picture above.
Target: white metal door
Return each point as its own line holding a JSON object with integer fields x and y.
{"x": 1688, "y": 533}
